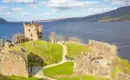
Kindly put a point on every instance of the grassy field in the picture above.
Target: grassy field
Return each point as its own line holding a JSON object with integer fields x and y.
{"x": 124, "y": 65}
{"x": 63, "y": 69}
{"x": 115, "y": 71}
{"x": 83, "y": 78}
{"x": 51, "y": 53}
{"x": 75, "y": 50}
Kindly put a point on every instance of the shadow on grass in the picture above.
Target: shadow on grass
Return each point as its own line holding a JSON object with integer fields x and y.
{"x": 4, "y": 78}
{"x": 35, "y": 64}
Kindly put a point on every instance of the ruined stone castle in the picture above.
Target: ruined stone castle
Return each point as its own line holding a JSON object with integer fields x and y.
{"x": 99, "y": 61}
{"x": 33, "y": 31}
{"x": 13, "y": 62}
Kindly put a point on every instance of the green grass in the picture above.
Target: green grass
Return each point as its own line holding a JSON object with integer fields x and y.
{"x": 83, "y": 78}
{"x": 17, "y": 78}
{"x": 125, "y": 17}
{"x": 116, "y": 70}
{"x": 63, "y": 69}
{"x": 48, "y": 51}
{"x": 16, "y": 48}
{"x": 124, "y": 65}
{"x": 75, "y": 50}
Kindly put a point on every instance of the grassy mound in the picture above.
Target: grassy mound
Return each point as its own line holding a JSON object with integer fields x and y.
{"x": 75, "y": 50}
{"x": 62, "y": 69}
{"x": 51, "y": 53}
{"x": 83, "y": 78}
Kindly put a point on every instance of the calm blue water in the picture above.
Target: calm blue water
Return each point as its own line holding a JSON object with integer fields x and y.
{"x": 116, "y": 33}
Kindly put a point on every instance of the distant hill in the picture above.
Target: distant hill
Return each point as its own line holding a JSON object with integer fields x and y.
{"x": 119, "y": 15}
{"x": 50, "y": 20}
{"x": 2, "y": 20}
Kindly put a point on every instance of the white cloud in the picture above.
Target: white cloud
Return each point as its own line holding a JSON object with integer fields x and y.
{"x": 4, "y": 8}
{"x": 34, "y": 6}
{"x": 17, "y": 9}
{"x": 99, "y": 9}
{"x": 6, "y": 14}
{"x": 25, "y": 13}
{"x": 19, "y": 1}
{"x": 67, "y": 4}
{"x": 47, "y": 14}
{"x": 42, "y": 2}
{"x": 5, "y": 11}
{"x": 119, "y": 2}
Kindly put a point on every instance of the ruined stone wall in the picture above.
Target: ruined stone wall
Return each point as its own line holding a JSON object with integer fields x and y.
{"x": 99, "y": 61}
{"x": 13, "y": 63}
{"x": 122, "y": 76}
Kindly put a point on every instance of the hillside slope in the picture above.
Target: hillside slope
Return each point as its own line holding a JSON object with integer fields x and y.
{"x": 121, "y": 14}
{"x": 2, "y": 20}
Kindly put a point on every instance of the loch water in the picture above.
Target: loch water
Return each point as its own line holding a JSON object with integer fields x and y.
{"x": 112, "y": 32}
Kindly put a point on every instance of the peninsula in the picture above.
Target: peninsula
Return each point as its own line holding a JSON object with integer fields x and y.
{"x": 31, "y": 57}
{"x": 2, "y": 20}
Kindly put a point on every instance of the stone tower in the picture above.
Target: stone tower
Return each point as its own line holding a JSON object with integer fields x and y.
{"x": 53, "y": 37}
{"x": 33, "y": 31}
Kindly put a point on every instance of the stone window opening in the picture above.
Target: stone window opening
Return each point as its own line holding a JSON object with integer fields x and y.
{"x": 31, "y": 35}
{"x": 96, "y": 61}
{"x": 29, "y": 30}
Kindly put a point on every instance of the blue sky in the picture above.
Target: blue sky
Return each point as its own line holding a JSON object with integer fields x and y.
{"x": 27, "y": 10}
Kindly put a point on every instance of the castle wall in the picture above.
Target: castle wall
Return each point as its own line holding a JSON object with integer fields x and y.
{"x": 122, "y": 76}
{"x": 99, "y": 61}
{"x": 13, "y": 64}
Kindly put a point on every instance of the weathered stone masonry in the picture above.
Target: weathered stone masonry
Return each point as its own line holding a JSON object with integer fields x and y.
{"x": 13, "y": 63}
{"x": 33, "y": 31}
{"x": 99, "y": 61}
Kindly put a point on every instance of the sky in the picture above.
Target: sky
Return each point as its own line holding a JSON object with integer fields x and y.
{"x": 28, "y": 10}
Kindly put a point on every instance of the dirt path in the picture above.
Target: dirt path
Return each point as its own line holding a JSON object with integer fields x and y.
{"x": 64, "y": 52}
{"x": 40, "y": 73}
{"x": 63, "y": 57}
